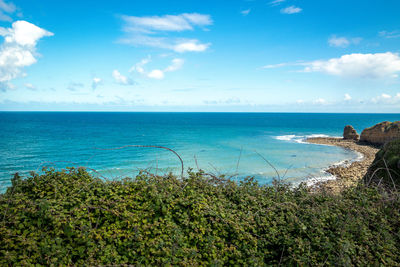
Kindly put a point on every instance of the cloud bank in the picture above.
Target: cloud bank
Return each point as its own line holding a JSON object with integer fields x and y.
{"x": 18, "y": 50}
{"x": 357, "y": 65}
{"x": 379, "y": 65}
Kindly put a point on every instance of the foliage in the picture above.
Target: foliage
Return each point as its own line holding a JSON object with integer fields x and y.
{"x": 385, "y": 169}
{"x": 70, "y": 218}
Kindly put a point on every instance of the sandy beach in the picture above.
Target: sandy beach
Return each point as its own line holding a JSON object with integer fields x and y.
{"x": 347, "y": 175}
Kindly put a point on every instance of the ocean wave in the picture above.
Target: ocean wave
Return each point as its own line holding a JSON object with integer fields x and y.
{"x": 325, "y": 176}
{"x": 314, "y": 180}
{"x": 298, "y": 138}
{"x": 286, "y": 137}
{"x": 317, "y": 135}
{"x": 328, "y": 176}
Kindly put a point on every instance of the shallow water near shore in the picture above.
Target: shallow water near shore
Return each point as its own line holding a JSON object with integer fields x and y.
{"x": 226, "y": 143}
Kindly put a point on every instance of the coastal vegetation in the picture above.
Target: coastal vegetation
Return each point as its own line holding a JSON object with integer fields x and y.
{"x": 385, "y": 169}
{"x": 69, "y": 217}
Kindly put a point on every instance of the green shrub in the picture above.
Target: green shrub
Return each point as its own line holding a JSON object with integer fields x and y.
{"x": 71, "y": 218}
{"x": 385, "y": 168}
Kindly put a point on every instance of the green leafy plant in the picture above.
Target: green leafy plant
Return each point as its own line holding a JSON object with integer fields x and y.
{"x": 71, "y": 218}
{"x": 385, "y": 169}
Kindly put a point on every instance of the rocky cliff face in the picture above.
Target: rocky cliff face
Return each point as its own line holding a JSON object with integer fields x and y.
{"x": 350, "y": 133}
{"x": 381, "y": 133}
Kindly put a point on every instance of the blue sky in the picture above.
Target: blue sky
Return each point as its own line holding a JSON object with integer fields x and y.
{"x": 282, "y": 55}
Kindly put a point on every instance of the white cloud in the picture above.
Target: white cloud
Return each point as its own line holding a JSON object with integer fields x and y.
{"x": 387, "y": 99}
{"x": 18, "y": 49}
{"x": 146, "y": 31}
{"x": 339, "y": 41}
{"x": 389, "y": 35}
{"x": 190, "y": 46}
{"x": 320, "y": 101}
{"x": 229, "y": 101}
{"x": 73, "y": 86}
{"x": 198, "y": 19}
{"x": 178, "y": 45}
{"x": 300, "y": 101}
{"x": 377, "y": 65}
{"x": 274, "y": 66}
{"x": 343, "y": 41}
{"x": 5, "y": 17}
{"x": 284, "y": 64}
{"x": 291, "y": 10}
{"x": 23, "y": 33}
{"x": 96, "y": 82}
{"x": 121, "y": 79}
{"x": 276, "y": 2}
{"x": 245, "y": 12}
{"x": 180, "y": 22}
{"x": 347, "y": 97}
{"x": 175, "y": 65}
{"x": 14, "y": 57}
{"x": 156, "y": 74}
{"x": 6, "y": 8}
{"x": 30, "y": 86}
{"x": 356, "y": 40}
{"x": 139, "y": 66}
{"x": 144, "y": 40}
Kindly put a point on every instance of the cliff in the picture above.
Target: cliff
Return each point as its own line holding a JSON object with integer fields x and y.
{"x": 381, "y": 133}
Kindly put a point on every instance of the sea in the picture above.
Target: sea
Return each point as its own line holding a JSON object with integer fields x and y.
{"x": 114, "y": 145}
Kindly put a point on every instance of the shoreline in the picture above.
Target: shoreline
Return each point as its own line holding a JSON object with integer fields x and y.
{"x": 349, "y": 173}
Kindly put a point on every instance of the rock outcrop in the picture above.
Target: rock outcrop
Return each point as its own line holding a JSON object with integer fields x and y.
{"x": 350, "y": 133}
{"x": 381, "y": 133}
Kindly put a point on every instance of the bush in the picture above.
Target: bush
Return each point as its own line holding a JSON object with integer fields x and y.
{"x": 385, "y": 169}
{"x": 70, "y": 218}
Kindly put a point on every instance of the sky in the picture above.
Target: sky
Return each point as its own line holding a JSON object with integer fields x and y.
{"x": 209, "y": 55}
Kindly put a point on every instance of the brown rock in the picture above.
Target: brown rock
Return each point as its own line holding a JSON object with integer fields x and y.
{"x": 350, "y": 133}
{"x": 381, "y": 133}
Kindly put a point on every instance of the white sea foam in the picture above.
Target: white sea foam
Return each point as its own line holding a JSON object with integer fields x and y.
{"x": 326, "y": 176}
{"x": 286, "y": 137}
{"x": 291, "y": 138}
{"x": 298, "y": 138}
{"x": 314, "y": 180}
{"x": 360, "y": 156}
{"x": 316, "y": 135}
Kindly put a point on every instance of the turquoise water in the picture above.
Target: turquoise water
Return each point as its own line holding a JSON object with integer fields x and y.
{"x": 228, "y": 143}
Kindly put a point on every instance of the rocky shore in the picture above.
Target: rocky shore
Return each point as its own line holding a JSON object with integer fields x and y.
{"x": 347, "y": 175}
